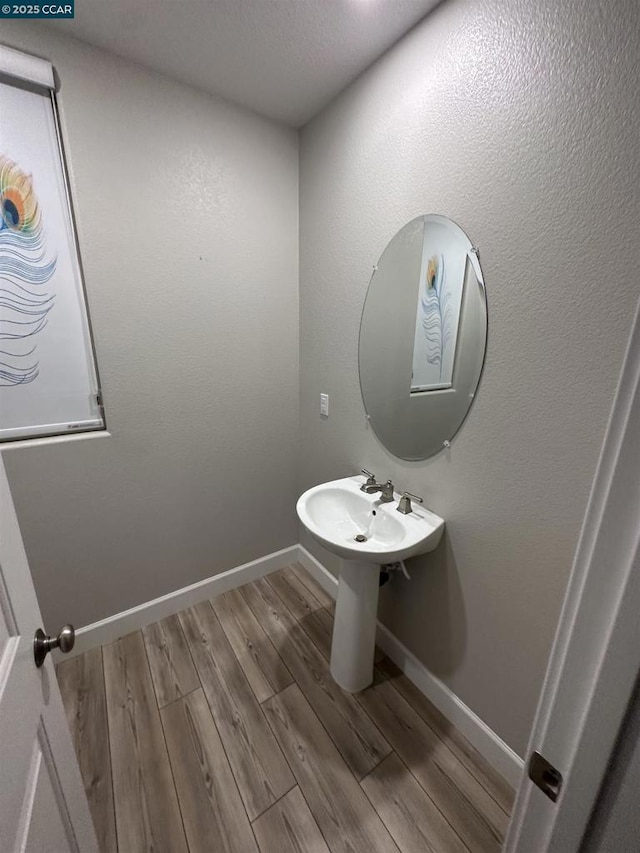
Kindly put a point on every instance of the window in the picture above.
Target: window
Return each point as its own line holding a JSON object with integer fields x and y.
{"x": 48, "y": 374}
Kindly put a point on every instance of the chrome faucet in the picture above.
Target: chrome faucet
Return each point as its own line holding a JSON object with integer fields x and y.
{"x": 371, "y": 486}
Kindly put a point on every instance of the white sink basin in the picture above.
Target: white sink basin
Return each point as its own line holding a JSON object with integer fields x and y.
{"x": 337, "y": 512}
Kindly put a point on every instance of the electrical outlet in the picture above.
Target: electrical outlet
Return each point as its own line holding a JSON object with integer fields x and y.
{"x": 324, "y": 405}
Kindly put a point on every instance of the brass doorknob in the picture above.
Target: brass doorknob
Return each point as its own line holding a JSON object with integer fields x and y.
{"x": 42, "y": 644}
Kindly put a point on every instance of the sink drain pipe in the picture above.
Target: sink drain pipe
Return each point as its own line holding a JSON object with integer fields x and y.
{"x": 389, "y": 568}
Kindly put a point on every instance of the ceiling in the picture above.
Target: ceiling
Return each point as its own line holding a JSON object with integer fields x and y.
{"x": 285, "y": 59}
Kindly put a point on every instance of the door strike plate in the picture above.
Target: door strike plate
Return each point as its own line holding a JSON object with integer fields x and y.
{"x": 543, "y": 774}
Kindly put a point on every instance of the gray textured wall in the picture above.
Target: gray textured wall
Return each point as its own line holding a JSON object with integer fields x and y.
{"x": 188, "y": 213}
{"x": 520, "y": 121}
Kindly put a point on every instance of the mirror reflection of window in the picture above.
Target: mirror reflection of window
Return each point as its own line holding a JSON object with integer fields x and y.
{"x": 438, "y": 311}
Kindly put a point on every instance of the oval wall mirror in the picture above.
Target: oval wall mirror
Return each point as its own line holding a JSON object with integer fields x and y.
{"x": 423, "y": 337}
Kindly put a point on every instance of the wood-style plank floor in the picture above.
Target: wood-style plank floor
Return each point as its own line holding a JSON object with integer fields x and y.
{"x": 220, "y": 729}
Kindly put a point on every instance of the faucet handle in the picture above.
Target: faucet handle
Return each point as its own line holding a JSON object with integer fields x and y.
{"x": 404, "y": 504}
{"x": 370, "y": 482}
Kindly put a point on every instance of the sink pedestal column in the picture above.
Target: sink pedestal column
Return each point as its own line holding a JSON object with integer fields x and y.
{"x": 354, "y": 629}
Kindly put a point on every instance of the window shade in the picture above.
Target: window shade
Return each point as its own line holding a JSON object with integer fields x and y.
{"x": 48, "y": 376}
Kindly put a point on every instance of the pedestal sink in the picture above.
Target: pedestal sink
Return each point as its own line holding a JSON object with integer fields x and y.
{"x": 365, "y": 533}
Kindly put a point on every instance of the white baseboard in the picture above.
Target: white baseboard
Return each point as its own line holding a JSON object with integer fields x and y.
{"x": 110, "y": 629}
{"x": 477, "y": 732}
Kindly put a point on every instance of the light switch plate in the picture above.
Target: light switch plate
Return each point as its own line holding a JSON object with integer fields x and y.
{"x": 324, "y": 405}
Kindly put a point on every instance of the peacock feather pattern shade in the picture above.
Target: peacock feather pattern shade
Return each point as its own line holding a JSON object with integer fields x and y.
{"x": 437, "y": 313}
{"x": 25, "y": 273}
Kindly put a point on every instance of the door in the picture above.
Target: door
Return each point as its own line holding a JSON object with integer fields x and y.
{"x": 43, "y": 808}
{"x": 595, "y": 658}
